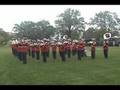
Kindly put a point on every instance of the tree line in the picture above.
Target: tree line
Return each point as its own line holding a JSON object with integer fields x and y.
{"x": 4, "y": 37}
{"x": 70, "y": 23}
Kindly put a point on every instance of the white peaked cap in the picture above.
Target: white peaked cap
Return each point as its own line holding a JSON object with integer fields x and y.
{"x": 41, "y": 41}
{"x": 44, "y": 39}
{"x": 35, "y": 43}
{"x": 13, "y": 42}
{"x": 65, "y": 42}
{"x": 52, "y": 44}
{"x": 16, "y": 41}
{"x": 47, "y": 39}
{"x": 59, "y": 43}
{"x": 53, "y": 41}
{"x": 42, "y": 44}
{"x": 75, "y": 41}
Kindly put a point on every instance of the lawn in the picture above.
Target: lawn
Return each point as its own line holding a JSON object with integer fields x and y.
{"x": 71, "y": 72}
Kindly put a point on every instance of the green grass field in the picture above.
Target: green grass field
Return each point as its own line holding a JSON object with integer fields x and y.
{"x": 71, "y": 72}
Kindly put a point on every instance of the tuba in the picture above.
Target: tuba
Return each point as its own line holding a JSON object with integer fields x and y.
{"x": 107, "y": 36}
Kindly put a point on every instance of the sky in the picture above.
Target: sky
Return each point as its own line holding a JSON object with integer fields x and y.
{"x": 15, "y": 14}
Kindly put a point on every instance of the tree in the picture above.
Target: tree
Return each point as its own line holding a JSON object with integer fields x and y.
{"x": 94, "y": 33}
{"x": 105, "y": 20}
{"x": 115, "y": 33}
{"x": 24, "y": 29}
{"x": 46, "y": 30}
{"x": 99, "y": 36}
{"x": 70, "y": 21}
{"x": 4, "y": 37}
{"x": 39, "y": 30}
{"x": 89, "y": 34}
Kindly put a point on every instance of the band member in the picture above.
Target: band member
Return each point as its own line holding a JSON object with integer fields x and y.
{"x": 37, "y": 51}
{"x": 15, "y": 49}
{"x": 105, "y": 48}
{"x": 80, "y": 49}
{"x": 24, "y": 53}
{"x": 29, "y": 49}
{"x": 74, "y": 47}
{"x": 68, "y": 49}
{"x": 19, "y": 51}
{"x": 83, "y": 49}
{"x": 47, "y": 48}
{"x": 12, "y": 47}
{"x": 33, "y": 50}
{"x": 93, "y": 49}
{"x": 44, "y": 52}
{"x": 65, "y": 47}
{"x": 54, "y": 48}
{"x": 62, "y": 51}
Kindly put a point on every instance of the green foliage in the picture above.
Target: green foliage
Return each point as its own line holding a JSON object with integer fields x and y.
{"x": 89, "y": 33}
{"x": 39, "y": 30}
{"x": 105, "y": 20}
{"x": 75, "y": 35}
{"x": 4, "y": 37}
{"x": 69, "y": 22}
{"x": 99, "y": 34}
{"x": 95, "y": 33}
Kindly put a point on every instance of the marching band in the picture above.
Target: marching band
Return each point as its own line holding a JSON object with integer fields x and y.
{"x": 40, "y": 49}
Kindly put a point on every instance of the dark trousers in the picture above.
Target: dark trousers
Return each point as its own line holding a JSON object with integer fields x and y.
{"x": 20, "y": 56}
{"x": 33, "y": 54}
{"x": 24, "y": 57}
{"x": 62, "y": 55}
{"x": 82, "y": 53}
{"x": 73, "y": 52}
{"x": 12, "y": 51}
{"x": 69, "y": 53}
{"x": 54, "y": 54}
{"x": 65, "y": 52}
{"x": 47, "y": 53}
{"x": 15, "y": 52}
{"x": 37, "y": 55}
{"x": 79, "y": 54}
{"x": 105, "y": 53}
{"x": 44, "y": 55}
{"x": 29, "y": 52}
{"x": 92, "y": 54}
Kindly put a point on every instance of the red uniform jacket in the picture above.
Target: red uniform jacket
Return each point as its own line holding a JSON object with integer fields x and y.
{"x": 47, "y": 47}
{"x": 74, "y": 47}
{"x": 105, "y": 46}
{"x": 61, "y": 48}
{"x": 15, "y": 46}
{"x": 54, "y": 47}
{"x": 24, "y": 49}
{"x": 93, "y": 46}
{"x": 44, "y": 48}
{"x": 33, "y": 48}
{"x": 80, "y": 46}
{"x": 68, "y": 46}
{"x": 19, "y": 49}
{"x": 37, "y": 48}
{"x": 12, "y": 45}
{"x": 65, "y": 46}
